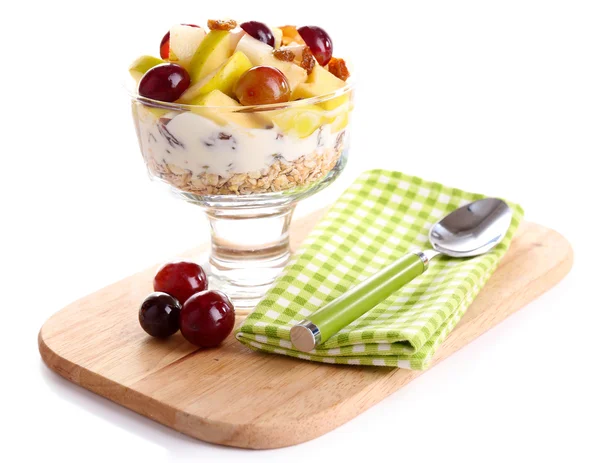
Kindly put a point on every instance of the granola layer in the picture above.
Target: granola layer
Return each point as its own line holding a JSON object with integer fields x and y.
{"x": 279, "y": 176}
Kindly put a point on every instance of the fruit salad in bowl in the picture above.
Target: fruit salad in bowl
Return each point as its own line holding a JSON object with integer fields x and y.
{"x": 242, "y": 109}
{"x": 243, "y": 120}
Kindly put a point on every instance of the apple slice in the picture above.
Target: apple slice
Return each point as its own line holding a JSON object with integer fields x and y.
{"x": 147, "y": 112}
{"x": 184, "y": 41}
{"x": 218, "y": 107}
{"x": 301, "y": 122}
{"x": 139, "y": 67}
{"x": 260, "y": 53}
{"x": 222, "y": 79}
{"x": 277, "y": 35}
{"x": 234, "y": 38}
{"x": 321, "y": 82}
{"x": 213, "y": 51}
{"x": 340, "y": 119}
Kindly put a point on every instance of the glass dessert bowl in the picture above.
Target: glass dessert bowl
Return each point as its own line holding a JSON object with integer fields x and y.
{"x": 245, "y": 164}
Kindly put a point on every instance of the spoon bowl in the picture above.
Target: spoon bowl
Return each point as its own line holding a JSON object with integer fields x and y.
{"x": 473, "y": 229}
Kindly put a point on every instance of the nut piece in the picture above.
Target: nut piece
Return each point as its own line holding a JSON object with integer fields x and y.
{"x": 337, "y": 66}
{"x": 308, "y": 60}
{"x": 221, "y": 24}
{"x": 284, "y": 55}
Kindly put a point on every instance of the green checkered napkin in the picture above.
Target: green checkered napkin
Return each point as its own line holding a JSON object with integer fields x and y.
{"x": 381, "y": 217}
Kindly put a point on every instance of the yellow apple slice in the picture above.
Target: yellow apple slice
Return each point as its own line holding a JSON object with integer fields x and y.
{"x": 146, "y": 112}
{"x": 301, "y": 121}
{"x": 340, "y": 120}
{"x": 139, "y": 67}
{"x": 223, "y": 78}
{"x": 212, "y": 106}
{"x": 321, "y": 82}
{"x": 213, "y": 51}
{"x": 183, "y": 43}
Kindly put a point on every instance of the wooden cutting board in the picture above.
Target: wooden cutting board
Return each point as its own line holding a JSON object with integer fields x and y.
{"x": 233, "y": 396}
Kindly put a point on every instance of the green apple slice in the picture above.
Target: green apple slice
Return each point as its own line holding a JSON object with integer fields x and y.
{"x": 213, "y": 51}
{"x": 301, "y": 122}
{"x": 259, "y": 53}
{"x": 211, "y": 106}
{"x": 183, "y": 43}
{"x": 139, "y": 67}
{"x": 222, "y": 79}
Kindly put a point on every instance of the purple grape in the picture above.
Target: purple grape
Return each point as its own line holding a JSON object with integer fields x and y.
{"x": 159, "y": 315}
{"x": 319, "y": 43}
{"x": 165, "y": 82}
{"x": 259, "y": 31}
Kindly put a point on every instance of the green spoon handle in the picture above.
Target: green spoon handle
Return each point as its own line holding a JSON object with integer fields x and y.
{"x": 354, "y": 303}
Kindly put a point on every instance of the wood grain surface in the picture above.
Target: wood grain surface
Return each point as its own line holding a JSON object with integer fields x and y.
{"x": 233, "y": 396}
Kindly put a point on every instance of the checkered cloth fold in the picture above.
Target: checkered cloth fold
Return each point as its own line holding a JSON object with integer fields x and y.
{"x": 379, "y": 218}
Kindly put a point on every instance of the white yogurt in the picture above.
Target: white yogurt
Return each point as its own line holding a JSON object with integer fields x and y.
{"x": 198, "y": 144}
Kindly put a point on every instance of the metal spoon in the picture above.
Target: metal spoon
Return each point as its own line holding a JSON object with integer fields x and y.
{"x": 468, "y": 231}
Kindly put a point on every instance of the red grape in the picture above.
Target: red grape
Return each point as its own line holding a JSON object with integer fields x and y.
{"x": 319, "y": 43}
{"x": 165, "y": 82}
{"x": 181, "y": 280}
{"x": 159, "y": 315}
{"x": 164, "y": 43}
{"x": 262, "y": 85}
{"x": 259, "y": 31}
{"x": 207, "y": 318}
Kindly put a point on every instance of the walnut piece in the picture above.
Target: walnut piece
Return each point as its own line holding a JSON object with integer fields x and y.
{"x": 284, "y": 55}
{"x": 308, "y": 60}
{"x": 221, "y": 24}
{"x": 337, "y": 66}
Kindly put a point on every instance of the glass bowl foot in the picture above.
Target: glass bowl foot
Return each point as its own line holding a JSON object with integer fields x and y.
{"x": 249, "y": 249}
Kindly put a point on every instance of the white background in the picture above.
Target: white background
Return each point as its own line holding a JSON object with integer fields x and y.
{"x": 497, "y": 97}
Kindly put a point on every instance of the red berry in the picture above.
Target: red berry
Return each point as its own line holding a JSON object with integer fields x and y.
{"x": 165, "y": 82}
{"x": 259, "y": 31}
{"x": 164, "y": 46}
{"x": 207, "y": 318}
{"x": 319, "y": 43}
{"x": 262, "y": 85}
{"x": 159, "y": 315}
{"x": 181, "y": 280}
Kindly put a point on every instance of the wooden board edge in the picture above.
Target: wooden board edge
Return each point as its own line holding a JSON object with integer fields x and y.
{"x": 138, "y": 402}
